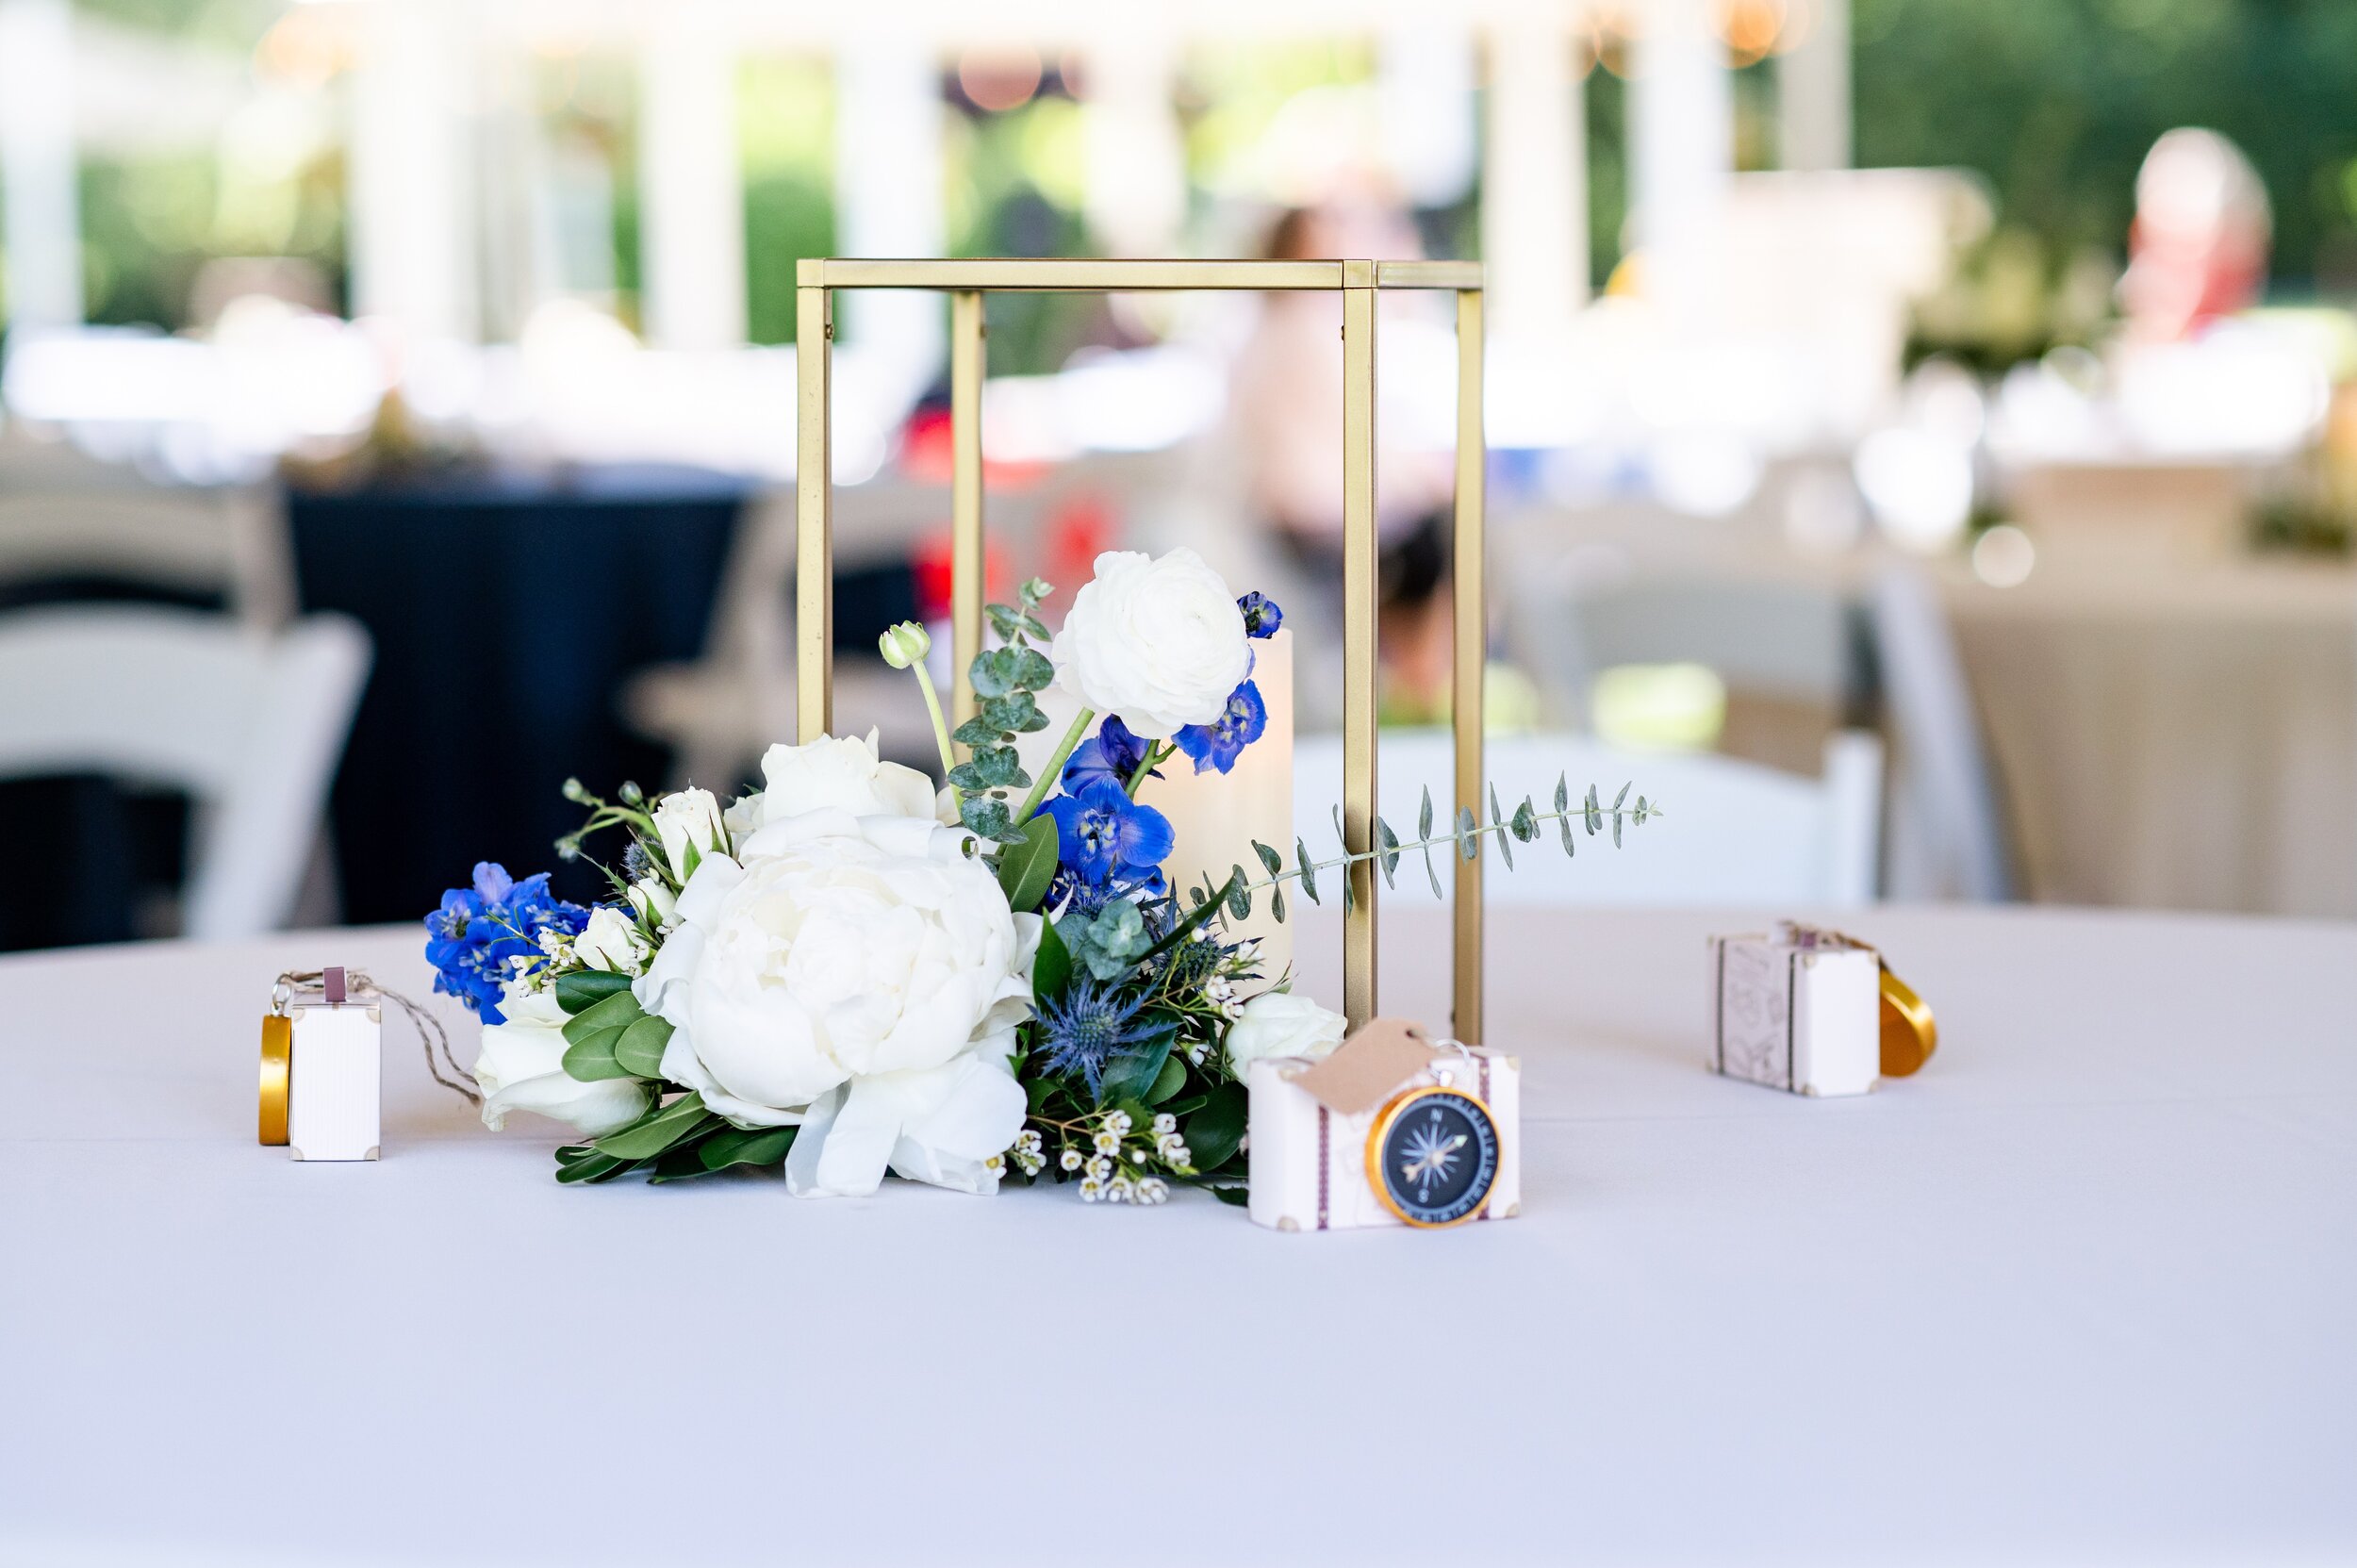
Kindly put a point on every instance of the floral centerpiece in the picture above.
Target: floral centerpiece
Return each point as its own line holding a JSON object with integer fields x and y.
{"x": 848, "y": 972}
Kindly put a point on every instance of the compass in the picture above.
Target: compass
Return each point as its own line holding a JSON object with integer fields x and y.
{"x": 1432, "y": 1155}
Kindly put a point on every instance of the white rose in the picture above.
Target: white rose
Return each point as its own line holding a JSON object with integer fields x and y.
{"x": 649, "y": 897}
{"x": 611, "y": 941}
{"x": 859, "y": 977}
{"x": 743, "y": 818}
{"x": 839, "y": 774}
{"x": 1160, "y": 642}
{"x": 1278, "y": 1023}
{"x": 689, "y": 816}
{"x": 522, "y": 1068}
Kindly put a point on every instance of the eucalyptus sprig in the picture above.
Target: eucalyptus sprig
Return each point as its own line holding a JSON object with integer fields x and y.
{"x": 1521, "y": 826}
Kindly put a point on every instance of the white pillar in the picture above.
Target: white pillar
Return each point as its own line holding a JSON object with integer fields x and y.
{"x": 1813, "y": 91}
{"x": 889, "y": 195}
{"x": 1681, "y": 156}
{"x": 1135, "y": 181}
{"x": 691, "y": 237}
{"x": 43, "y": 228}
{"x": 412, "y": 187}
{"x": 1424, "y": 76}
{"x": 1534, "y": 189}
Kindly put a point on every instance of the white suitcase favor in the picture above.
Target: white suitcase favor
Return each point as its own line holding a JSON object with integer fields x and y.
{"x": 321, "y": 1071}
{"x": 1812, "y": 1012}
{"x": 1389, "y": 1130}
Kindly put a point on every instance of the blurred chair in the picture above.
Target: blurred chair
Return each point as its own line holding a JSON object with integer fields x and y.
{"x": 230, "y": 543}
{"x": 1735, "y": 833}
{"x": 1947, "y": 839}
{"x": 250, "y": 724}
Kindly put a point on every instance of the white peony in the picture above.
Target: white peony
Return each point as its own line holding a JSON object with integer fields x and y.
{"x": 522, "y": 1068}
{"x": 689, "y": 816}
{"x": 1278, "y": 1023}
{"x": 839, "y": 774}
{"x": 611, "y": 941}
{"x": 858, "y": 976}
{"x": 1159, "y": 642}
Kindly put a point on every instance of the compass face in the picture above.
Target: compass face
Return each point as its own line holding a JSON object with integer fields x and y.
{"x": 1432, "y": 1156}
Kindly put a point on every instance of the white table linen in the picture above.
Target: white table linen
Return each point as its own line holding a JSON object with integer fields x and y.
{"x": 2081, "y": 1291}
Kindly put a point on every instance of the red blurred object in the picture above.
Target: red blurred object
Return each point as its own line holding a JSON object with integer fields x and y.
{"x": 927, "y": 454}
{"x": 1081, "y": 528}
{"x": 929, "y": 565}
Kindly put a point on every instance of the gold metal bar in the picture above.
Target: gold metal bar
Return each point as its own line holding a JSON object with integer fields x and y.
{"x": 814, "y": 560}
{"x": 1470, "y": 655}
{"x": 965, "y": 495}
{"x": 1358, "y": 635}
{"x": 1427, "y": 275}
{"x": 1078, "y": 276}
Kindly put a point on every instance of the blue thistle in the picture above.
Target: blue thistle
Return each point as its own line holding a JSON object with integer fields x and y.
{"x": 1087, "y": 1026}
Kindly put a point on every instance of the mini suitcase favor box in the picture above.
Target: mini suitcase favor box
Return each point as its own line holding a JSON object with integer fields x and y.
{"x": 1389, "y": 1130}
{"x": 323, "y": 1054}
{"x": 1813, "y": 1011}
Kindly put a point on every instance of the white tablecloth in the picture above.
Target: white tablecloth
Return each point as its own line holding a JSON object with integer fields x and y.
{"x": 2082, "y": 1290}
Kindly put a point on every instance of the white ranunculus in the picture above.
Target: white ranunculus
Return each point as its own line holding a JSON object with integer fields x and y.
{"x": 522, "y": 1068}
{"x": 689, "y": 816}
{"x": 860, "y": 977}
{"x": 843, "y": 773}
{"x": 611, "y": 941}
{"x": 1159, "y": 642}
{"x": 1278, "y": 1023}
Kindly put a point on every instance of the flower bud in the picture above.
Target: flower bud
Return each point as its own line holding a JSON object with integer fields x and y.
{"x": 904, "y": 644}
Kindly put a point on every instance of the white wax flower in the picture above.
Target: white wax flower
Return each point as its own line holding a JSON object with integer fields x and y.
{"x": 611, "y": 941}
{"x": 522, "y": 1068}
{"x": 842, "y": 774}
{"x": 689, "y": 816}
{"x": 1278, "y": 1023}
{"x": 1158, "y": 641}
{"x": 859, "y": 977}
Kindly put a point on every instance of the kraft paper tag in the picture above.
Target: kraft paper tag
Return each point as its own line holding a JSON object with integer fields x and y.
{"x": 1367, "y": 1067}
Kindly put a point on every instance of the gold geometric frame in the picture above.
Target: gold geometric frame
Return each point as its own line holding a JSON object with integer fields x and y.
{"x": 1359, "y": 282}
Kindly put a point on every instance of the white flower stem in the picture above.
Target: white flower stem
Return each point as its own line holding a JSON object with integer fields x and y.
{"x": 932, "y": 707}
{"x": 1065, "y": 749}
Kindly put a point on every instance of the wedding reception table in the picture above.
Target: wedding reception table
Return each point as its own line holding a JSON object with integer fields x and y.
{"x": 2082, "y": 1290}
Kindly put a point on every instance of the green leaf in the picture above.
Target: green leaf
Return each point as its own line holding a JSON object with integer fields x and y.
{"x": 1276, "y": 904}
{"x": 1168, "y": 1082}
{"x": 1562, "y": 793}
{"x": 1468, "y": 834}
{"x": 679, "y": 1163}
{"x": 1233, "y": 1194}
{"x": 639, "y": 1050}
{"x": 1506, "y": 848}
{"x": 988, "y": 676}
{"x": 1270, "y": 859}
{"x": 1386, "y": 842}
{"x": 1214, "y": 1133}
{"x": 974, "y": 731}
{"x": 1030, "y": 669}
{"x": 591, "y": 1059}
{"x": 1594, "y": 813}
{"x": 1133, "y": 1074}
{"x": 1424, "y": 817}
{"x": 658, "y": 1130}
{"x": 1525, "y": 826}
{"x": 1015, "y": 712}
{"x": 592, "y": 1167}
{"x": 1052, "y": 969}
{"x": 620, "y": 1010}
{"x": 1026, "y": 869}
{"x": 1034, "y": 590}
{"x": 737, "y": 1146}
{"x": 1616, "y": 815}
{"x": 581, "y": 989}
{"x": 991, "y": 768}
{"x": 1308, "y": 872}
{"x": 1428, "y": 864}
{"x": 1238, "y": 901}
{"x": 989, "y": 818}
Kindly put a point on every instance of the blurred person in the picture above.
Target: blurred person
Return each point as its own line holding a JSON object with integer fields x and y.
{"x": 2198, "y": 247}
{"x": 1287, "y": 400}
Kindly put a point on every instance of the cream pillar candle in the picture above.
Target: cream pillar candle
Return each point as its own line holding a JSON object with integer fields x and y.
{"x": 1214, "y": 816}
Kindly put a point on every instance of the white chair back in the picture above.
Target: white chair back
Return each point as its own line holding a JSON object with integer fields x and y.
{"x": 1734, "y": 833}
{"x": 1947, "y": 840}
{"x": 229, "y": 542}
{"x": 250, "y": 724}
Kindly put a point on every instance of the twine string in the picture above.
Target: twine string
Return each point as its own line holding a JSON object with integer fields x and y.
{"x": 430, "y": 1031}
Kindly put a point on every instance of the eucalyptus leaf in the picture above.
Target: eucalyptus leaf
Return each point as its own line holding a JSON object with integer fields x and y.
{"x": 1595, "y": 811}
{"x": 1506, "y": 848}
{"x": 1424, "y": 815}
{"x": 1276, "y": 904}
{"x": 620, "y": 1010}
{"x": 1468, "y": 834}
{"x": 1031, "y": 669}
{"x": 974, "y": 731}
{"x": 579, "y": 990}
{"x": 1525, "y": 826}
{"x": 1273, "y": 861}
{"x": 986, "y": 677}
{"x": 1239, "y": 899}
{"x": 1308, "y": 872}
{"x": 639, "y": 1050}
{"x": 590, "y": 1059}
{"x": 1386, "y": 842}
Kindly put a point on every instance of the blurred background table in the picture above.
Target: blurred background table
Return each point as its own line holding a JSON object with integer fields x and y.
{"x": 2090, "y": 1273}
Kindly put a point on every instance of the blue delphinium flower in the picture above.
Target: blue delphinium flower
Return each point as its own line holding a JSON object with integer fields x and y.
{"x": 1262, "y": 616}
{"x": 1112, "y": 752}
{"x": 1087, "y": 1026}
{"x": 472, "y": 937}
{"x": 1101, "y": 833}
{"x": 1218, "y": 743}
